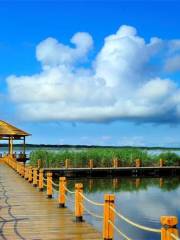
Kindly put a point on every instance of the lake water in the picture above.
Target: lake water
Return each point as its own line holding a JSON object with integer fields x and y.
{"x": 143, "y": 201}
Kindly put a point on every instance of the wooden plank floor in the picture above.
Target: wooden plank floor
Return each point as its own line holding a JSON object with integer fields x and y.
{"x": 26, "y": 214}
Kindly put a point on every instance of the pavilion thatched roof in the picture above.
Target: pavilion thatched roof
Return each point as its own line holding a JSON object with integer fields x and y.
{"x": 8, "y": 130}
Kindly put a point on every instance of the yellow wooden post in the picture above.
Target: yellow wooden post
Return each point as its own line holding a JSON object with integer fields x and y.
{"x": 91, "y": 163}
{"x": 67, "y": 163}
{"x": 109, "y": 216}
{"x": 23, "y": 170}
{"x": 34, "y": 177}
{"x": 41, "y": 182}
{"x": 79, "y": 202}
{"x": 62, "y": 192}
{"x": 115, "y": 163}
{"x": 161, "y": 162}
{"x": 169, "y": 227}
{"x": 39, "y": 163}
{"x": 18, "y": 167}
{"x": 30, "y": 179}
{"x": 26, "y": 176}
{"x": 15, "y": 166}
{"x": 49, "y": 185}
{"x": 138, "y": 163}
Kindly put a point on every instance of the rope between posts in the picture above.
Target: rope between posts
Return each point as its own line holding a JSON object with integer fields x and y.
{"x": 90, "y": 201}
{"x": 68, "y": 199}
{"x": 45, "y": 179}
{"x": 118, "y": 231}
{"x": 55, "y": 190}
{"x": 71, "y": 192}
{"x": 91, "y": 213}
{"x": 174, "y": 237}
{"x": 135, "y": 224}
{"x": 54, "y": 184}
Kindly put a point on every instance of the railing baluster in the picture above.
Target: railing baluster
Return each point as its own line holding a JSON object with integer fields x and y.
{"x": 79, "y": 202}
{"x": 49, "y": 185}
{"x": 109, "y": 215}
{"x": 169, "y": 227}
{"x": 62, "y": 192}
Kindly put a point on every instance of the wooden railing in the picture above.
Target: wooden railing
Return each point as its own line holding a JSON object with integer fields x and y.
{"x": 114, "y": 163}
{"x": 36, "y": 176}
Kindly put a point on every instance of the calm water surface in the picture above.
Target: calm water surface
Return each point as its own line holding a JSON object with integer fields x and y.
{"x": 141, "y": 200}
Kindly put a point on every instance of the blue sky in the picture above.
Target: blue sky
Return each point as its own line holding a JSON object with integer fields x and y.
{"x": 26, "y": 52}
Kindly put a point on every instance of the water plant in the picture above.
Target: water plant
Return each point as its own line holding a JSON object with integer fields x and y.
{"x": 102, "y": 157}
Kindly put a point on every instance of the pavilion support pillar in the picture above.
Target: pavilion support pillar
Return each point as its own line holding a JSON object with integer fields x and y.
{"x": 11, "y": 145}
{"x": 9, "y": 142}
{"x": 24, "y": 145}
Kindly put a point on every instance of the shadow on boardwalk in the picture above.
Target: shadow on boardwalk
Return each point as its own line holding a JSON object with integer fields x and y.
{"x": 26, "y": 214}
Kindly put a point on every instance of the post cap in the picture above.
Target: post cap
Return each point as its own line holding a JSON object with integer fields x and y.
{"x": 169, "y": 220}
{"x": 49, "y": 174}
{"x": 109, "y": 197}
{"x": 78, "y": 186}
{"x": 62, "y": 179}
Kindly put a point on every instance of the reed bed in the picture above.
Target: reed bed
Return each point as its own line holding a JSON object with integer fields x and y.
{"x": 102, "y": 157}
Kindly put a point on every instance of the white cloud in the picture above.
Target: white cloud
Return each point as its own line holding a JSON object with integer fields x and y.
{"x": 116, "y": 86}
{"x": 173, "y": 64}
{"x": 52, "y": 53}
{"x": 174, "y": 45}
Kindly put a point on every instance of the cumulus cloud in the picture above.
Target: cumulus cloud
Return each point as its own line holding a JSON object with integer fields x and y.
{"x": 52, "y": 53}
{"x": 173, "y": 64}
{"x": 118, "y": 84}
{"x": 174, "y": 45}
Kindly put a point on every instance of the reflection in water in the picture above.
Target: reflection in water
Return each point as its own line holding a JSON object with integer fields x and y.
{"x": 115, "y": 183}
{"x": 143, "y": 200}
{"x": 138, "y": 182}
{"x": 90, "y": 184}
{"x": 128, "y": 184}
{"x": 161, "y": 182}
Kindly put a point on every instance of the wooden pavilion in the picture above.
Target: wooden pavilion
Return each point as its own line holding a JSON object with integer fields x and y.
{"x": 10, "y": 133}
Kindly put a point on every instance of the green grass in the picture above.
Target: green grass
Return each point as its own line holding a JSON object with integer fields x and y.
{"x": 102, "y": 157}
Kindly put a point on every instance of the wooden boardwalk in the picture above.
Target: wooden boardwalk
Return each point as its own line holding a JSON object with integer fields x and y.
{"x": 26, "y": 214}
